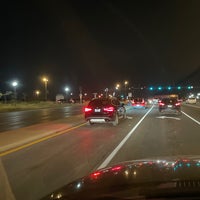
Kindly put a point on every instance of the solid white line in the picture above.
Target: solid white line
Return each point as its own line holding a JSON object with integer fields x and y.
{"x": 110, "y": 157}
{"x": 191, "y": 118}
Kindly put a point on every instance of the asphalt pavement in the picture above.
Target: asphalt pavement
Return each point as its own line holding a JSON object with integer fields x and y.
{"x": 35, "y": 170}
{"x": 19, "y": 119}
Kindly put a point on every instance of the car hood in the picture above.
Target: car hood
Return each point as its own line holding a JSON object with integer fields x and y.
{"x": 139, "y": 178}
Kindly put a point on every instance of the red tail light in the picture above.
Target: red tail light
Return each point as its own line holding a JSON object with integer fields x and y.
{"x": 88, "y": 109}
{"x": 178, "y": 104}
{"x": 161, "y": 104}
{"x": 109, "y": 109}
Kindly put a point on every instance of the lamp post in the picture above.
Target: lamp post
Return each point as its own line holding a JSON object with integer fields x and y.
{"x": 15, "y": 84}
{"x": 116, "y": 88}
{"x": 66, "y": 90}
{"x": 106, "y": 91}
{"x": 37, "y": 93}
{"x": 125, "y": 84}
{"x": 45, "y": 80}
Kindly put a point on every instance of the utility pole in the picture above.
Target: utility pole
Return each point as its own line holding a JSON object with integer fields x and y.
{"x": 80, "y": 94}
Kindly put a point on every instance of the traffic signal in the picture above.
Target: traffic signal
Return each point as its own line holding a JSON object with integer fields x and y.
{"x": 151, "y": 88}
{"x": 169, "y": 87}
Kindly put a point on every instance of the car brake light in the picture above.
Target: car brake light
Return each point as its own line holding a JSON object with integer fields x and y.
{"x": 177, "y": 104}
{"x": 88, "y": 109}
{"x": 161, "y": 104}
{"x": 109, "y": 109}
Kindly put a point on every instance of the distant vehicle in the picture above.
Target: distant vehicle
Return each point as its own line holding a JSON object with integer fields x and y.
{"x": 191, "y": 100}
{"x": 155, "y": 100}
{"x": 60, "y": 98}
{"x": 169, "y": 105}
{"x": 139, "y": 103}
{"x": 103, "y": 110}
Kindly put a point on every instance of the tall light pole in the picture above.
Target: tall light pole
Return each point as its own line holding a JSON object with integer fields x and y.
{"x": 125, "y": 84}
{"x": 66, "y": 90}
{"x": 15, "y": 84}
{"x": 117, "y": 88}
{"x": 37, "y": 93}
{"x": 45, "y": 80}
{"x": 106, "y": 90}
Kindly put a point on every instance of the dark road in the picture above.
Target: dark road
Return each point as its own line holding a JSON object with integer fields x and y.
{"x": 37, "y": 170}
{"x": 19, "y": 119}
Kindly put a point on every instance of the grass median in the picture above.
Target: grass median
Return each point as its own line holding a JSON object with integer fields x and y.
{"x": 20, "y": 106}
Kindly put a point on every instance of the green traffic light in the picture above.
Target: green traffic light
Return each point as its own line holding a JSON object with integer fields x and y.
{"x": 151, "y": 88}
{"x": 169, "y": 87}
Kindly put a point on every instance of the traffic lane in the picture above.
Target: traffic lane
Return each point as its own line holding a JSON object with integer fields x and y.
{"x": 44, "y": 167}
{"x": 161, "y": 136}
{"x": 15, "y": 120}
{"x": 193, "y": 111}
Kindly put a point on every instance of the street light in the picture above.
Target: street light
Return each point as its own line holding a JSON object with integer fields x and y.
{"x": 117, "y": 89}
{"x": 37, "y": 92}
{"x": 66, "y": 90}
{"x": 117, "y": 86}
{"x": 125, "y": 84}
{"x": 45, "y": 80}
{"x": 15, "y": 84}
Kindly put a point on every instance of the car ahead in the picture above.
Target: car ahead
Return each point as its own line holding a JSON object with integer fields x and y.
{"x": 191, "y": 100}
{"x": 102, "y": 110}
{"x": 161, "y": 178}
{"x": 169, "y": 105}
{"x": 139, "y": 103}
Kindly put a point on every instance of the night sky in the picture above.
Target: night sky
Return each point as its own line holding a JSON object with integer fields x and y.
{"x": 95, "y": 44}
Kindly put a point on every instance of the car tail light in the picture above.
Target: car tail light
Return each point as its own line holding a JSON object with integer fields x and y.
{"x": 161, "y": 104}
{"x": 178, "y": 104}
{"x": 88, "y": 109}
{"x": 109, "y": 109}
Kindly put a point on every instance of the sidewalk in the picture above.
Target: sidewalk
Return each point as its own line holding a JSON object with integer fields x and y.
{"x": 15, "y": 138}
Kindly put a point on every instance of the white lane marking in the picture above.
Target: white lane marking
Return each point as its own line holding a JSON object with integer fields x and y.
{"x": 191, "y": 118}
{"x": 166, "y": 117}
{"x": 128, "y": 117}
{"x": 111, "y": 156}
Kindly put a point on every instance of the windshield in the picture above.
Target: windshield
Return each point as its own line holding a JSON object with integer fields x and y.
{"x": 86, "y": 84}
{"x": 100, "y": 102}
{"x": 168, "y": 100}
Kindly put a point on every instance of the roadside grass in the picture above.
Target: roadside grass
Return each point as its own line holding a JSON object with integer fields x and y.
{"x": 18, "y": 106}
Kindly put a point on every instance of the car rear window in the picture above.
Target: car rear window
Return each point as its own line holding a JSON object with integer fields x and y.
{"x": 169, "y": 100}
{"x": 138, "y": 100}
{"x": 99, "y": 102}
